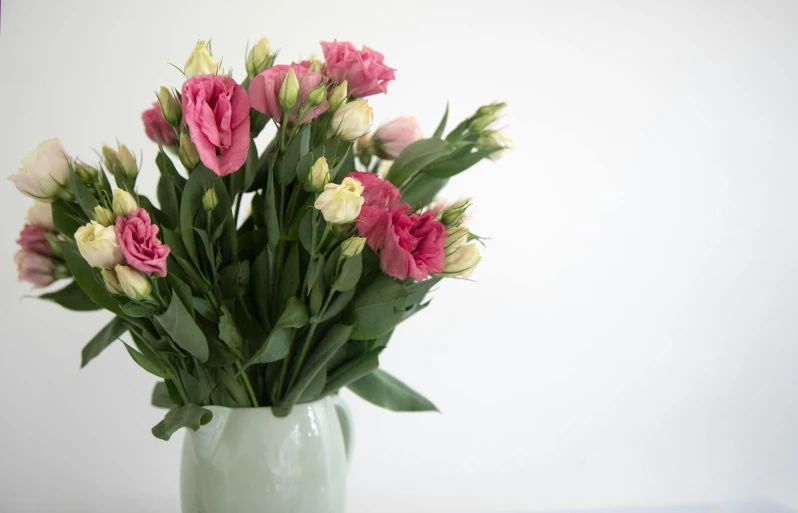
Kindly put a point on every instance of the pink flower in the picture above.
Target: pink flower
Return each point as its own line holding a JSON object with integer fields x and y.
{"x": 216, "y": 111}
{"x": 363, "y": 69}
{"x": 156, "y": 126}
{"x": 33, "y": 238}
{"x": 38, "y": 269}
{"x": 408, "y": 245}
{"x": 393, "y": 137}
{"x": 137, "y": 237}
{"x": 264, "y": 91}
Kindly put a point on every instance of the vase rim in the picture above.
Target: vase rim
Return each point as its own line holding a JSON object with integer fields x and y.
{"x": 270, "y": 408}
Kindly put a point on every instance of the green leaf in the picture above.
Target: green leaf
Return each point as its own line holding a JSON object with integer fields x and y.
{"x": 228, "y": 332}
{"x": 423, "y": 190}
{"x": 153, "y": 367}
{"x": 289, "y": 276}
{"x": 204, "y": 308}
{"x": 198, "y": 388}
{"x": 112, "y": 331}
{"x": 134, "y": 309}
{"x": 415, "y": 157}
{"x": 186, "y": 416}
{"x": 67, "y": 217}
{"x": 333, "y": 340}
{"x": 87, "y": 277}
{"x": 419, "y": 289}
{"x": 350, "y": 274}
{"x": 168, "y": 171}
{"x": 251, "y": 166}
{"x": 72, "y": 297}
{"x": 315, "y": 388}
{"x": 377, "y": 308}
{"x": 352, "y": 371}
{"x": 296, "y": 149}
{"x": 272, "y": 223}
{"x": 278, "y": 342}
{"x": 337, "y": 305}
{"x": 160, "y": 396}
{"x": 442, "y": 125}
{"x": 169, "y": 201}
{"x": 183, "y": 291}
{"x": 237, "y": 391}
{"x": 447, "y": 167}
{"x": 259, "y": 276}
{"x": 315, "y": 267}
{"x": 83, "y": 195}
{"x": 183, "y": 330}
{"x": 384, "y": 390}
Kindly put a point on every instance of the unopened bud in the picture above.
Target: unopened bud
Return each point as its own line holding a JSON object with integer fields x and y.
{"x": 210, "y": 200}
{"x": 495, "y": 141}
{"x": 260, "y": 57}
{"x": 170, "y": 109}
{"x": 289, "y": 91}
{"x": 338, "y": 96}
{"x": 103, "y": 216}
{"x": 188, "y": 152}
{"x": 133, "y": 283}
{"x": 351, "y": 121}
{"x": 494, "y": 109}
{"x": 453, "y": 216}
{"x": 109, "y": 159}
{"x": 127, "y": 161}
{"x": 462, "y": 261}
{"x": 319, "y": 175}
{"x": 316, "y": 96}
{"x": 124, "y": 203}
{"x": 86, "y": 173}
{"x": 352, "y": 246}
{"x": 111, "y": 281}
{"x": 201, "y": 62}
{"x": 315, "y": 63}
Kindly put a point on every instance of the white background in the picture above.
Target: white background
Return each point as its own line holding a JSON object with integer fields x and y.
{"x": 631, "y": 335}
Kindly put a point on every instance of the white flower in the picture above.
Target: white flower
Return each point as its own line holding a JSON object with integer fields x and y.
{"x": 462, "y": 261}
{"x": 41, "y": 214}
{"x": 200, "y": 62}
{"x": 351, "y": 120}
{"x": 44, "y": 174}
{"x": 319, "y": 175}
{"x": 124, "y": 203}
{"x": 260, "y": 57}
{"x": 98, "y": 245}
{"x": 340, "y": 203}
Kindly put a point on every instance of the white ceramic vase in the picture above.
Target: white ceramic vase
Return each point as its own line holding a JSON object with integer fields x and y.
{"x": 246, "y": 460}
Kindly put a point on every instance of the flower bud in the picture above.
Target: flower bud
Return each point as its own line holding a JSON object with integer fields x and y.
{"x": 393, "y": 137}
{"x": 351, "y": 121}
{"x": 319, "y": 175}
{"x": 188, "y": 152}
{"x": 52, "y": 241}
{"x": 494, "y": 109}
{"x": 111, "y": 281}
{"x": 109, "y": 159}
{"x": 455, "y": 239}
{"x": 352, "y": 246}
{"x": 455, "y": 214}
{"x": 44, "y": 174}
{"x": 200, "y": 62}
{"x": 103, "y": 216}
{"x": 127, "y": 161}
{"x": 482, "y": 122}
{"x": 495, "y": 141}
{"x": 124, "y": 203}
{"x": 462, "y": 261}
{"x": 289, "y": 91}
{"x": 98, "y": 245}
{"x": 86, "y": 173}
{"x": 260, "y": 57}
{"x": 364, "y": 149}
{"x": 133, "y": 283}
{"x": 337, "y": 96}
{"x": 315, "y": 63}
{"x": 316, "y": 96}
{"x": 210, "y": 200}
{"x": 341, "y": 203}
{"x": 170, "y": 108}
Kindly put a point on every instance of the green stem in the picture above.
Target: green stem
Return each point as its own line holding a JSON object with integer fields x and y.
{"x": 247, "y": 384}
{"x": 277, "y": 391}
{"x": 238, "y": 207}
{"x": 308, "y": 339}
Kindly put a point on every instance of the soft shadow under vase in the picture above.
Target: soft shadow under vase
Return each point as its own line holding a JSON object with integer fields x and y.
{"x": 246, "y": 460}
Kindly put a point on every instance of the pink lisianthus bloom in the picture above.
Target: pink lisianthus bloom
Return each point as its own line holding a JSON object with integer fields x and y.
{"x": 409, "y": 245}
{"x": 364, "y": 70}
{"x": 216, "y": 111}
{"x": 38, "y": 269}
{"x": 393, "y": 137}
{"x": 156, "y": 127}
{"x": 138, "y": 239}
{"x": 33, "y": 238}
{"x": 264, "y": 92}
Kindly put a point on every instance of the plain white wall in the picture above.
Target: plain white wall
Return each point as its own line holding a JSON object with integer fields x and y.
{"x": 631, "y": 337}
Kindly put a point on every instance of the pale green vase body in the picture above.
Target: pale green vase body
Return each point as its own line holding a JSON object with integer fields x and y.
{"x": 246, "y": 460}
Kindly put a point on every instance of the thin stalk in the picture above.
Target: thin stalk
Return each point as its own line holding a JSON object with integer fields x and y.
{"x": 247, "y": 384}
{"x": 238, "y": 207}
{"x": 308, "y": 339}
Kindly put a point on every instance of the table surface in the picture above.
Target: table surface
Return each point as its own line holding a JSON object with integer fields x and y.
{"x": 748, "y": 506}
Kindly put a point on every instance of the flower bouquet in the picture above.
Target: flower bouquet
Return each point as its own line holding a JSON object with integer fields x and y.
{"x": 265, "y": 277}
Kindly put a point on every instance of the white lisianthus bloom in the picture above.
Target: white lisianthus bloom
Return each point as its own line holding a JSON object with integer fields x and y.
{"x": 341, "y": 203}
{"x": 351, "y": 120}
{"x": 98, "y": 245}
{"x": 44, "y": 174}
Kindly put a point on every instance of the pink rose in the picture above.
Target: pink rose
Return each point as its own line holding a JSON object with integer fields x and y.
{"x": 137, "y": 237}
{"x": 156, "y": 126}
{"x": 264, "y": 91}
{"x": 393, "y": 137}
{"x": 33, "y": 238}
{"x": 216, "y": 111}
{"x": 38, "y": 269}
{"x": 363, "y": 69}
{"x": 408, "y": 245}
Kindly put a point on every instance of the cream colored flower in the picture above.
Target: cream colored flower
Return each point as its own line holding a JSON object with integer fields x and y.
{"x": 44, "y": 174}
{"x": 260, "y": 57}
{"x": 41, "y": 214}
{"x": 124, "y": 203}
{"x": 351, "y": 120}
{"x": 340, "y": 203}
{"x": 201, "y": 62}
{"x": 462, "y": 261}
{"x": 319, "y": 175}
{"x": 98, "y": 245}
